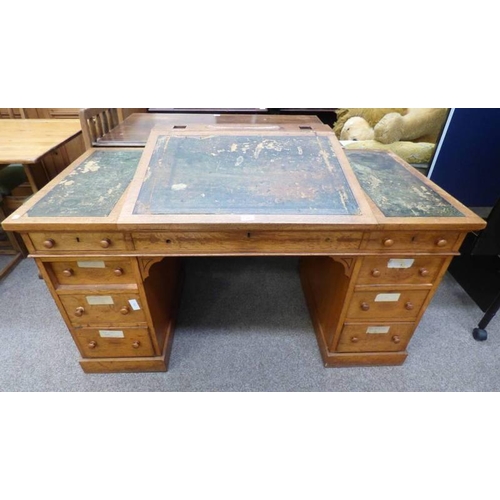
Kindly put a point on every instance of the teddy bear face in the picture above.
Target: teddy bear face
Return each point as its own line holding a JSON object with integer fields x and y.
{"x": 356, "y": 129}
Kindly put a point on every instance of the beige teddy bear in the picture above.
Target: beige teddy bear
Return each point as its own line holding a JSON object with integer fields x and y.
{"x": 371, "y": 115}
{"x": 411, "y": 135}
{"x": 357, "y": 129}
{"x": 417, "y": 124}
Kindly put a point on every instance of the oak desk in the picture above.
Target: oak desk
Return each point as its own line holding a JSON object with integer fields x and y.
{"x": 44, "y": 147}
{"x": 109, "y": 234}
{"x": 135, "y": 129}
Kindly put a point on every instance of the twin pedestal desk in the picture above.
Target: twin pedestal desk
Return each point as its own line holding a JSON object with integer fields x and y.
{"x": 110, "y": 233}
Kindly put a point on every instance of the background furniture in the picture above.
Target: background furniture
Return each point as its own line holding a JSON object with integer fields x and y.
{"x": 45, "y": 113}
{"x": 375, "y": 237}
{"x": 43, "y": 147}
{"x": 135, "y": 129}
{"x": 58, "y": 113}
{"x": 326, "y": 115}
{"x": 96, "y": 122}
{"x": 11, "y": 176}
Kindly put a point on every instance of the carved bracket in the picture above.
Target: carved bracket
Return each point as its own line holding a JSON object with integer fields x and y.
{"x": 146, "y": 263}
{"x": 347, "y": 262}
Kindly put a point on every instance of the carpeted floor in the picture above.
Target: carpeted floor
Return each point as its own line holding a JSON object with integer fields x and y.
{"x": 243, "y": 326}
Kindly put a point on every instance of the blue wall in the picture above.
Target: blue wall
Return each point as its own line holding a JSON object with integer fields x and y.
{"x": 468, "y": 165}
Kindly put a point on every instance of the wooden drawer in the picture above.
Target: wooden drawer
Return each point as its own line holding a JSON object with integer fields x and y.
{"x": 78, "y": 241}
{"x": 114, "y": 342}
{"x": 103, "y": 309}
{"x": 375, "y": 337}
{"x": 412, "y": 241}
{"x": 85, "y": 272}
{"x": 197, "y": 242}
{"x": 399, "y": 270}
{"x": 391, "y": 304}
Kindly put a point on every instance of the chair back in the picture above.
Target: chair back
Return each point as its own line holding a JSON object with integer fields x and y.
{"x": 96, "y": 122}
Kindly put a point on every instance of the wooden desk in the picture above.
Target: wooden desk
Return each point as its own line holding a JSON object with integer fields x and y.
{"x": 135, "y": 129}
{"x": 44, "y": 147}
{"x": 375, "y": 238}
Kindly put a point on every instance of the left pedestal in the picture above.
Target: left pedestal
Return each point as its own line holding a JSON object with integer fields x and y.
{"x": 121, "y": 311}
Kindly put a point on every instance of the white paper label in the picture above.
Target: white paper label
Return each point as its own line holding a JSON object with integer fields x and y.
{"x": 99, "y": 300}
{"x": 400, "y": 263}
{"x": 247, "y": 218}
{"x": 112, "y": 334}
{"x": 378, "y": 329}
{"x": 91, "y": 263}
{"x": 387, "y": 297}
{"x": 134, "y": 304}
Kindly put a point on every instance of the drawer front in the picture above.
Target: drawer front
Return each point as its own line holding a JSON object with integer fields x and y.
{"x": 392, "y": 304}
{"x": 400, "y": 270}
{"x": 226, "y": 242}
{"x": 77, "y": 241}
{"x": 375, "y": 337}
{"x": 103, "y": 309}
{"x": 113, "y": 343}
{"x": 415, "y": 241}
{"x": 85, "y": 272}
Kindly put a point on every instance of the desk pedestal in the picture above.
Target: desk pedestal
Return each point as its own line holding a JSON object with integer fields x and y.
{"x": 120, "y": 305}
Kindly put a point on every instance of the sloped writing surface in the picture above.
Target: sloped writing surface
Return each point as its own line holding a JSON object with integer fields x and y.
{"x": 238, "y": 174}
{"x": 93, "y": 188}
{"x": 395, "y": 190}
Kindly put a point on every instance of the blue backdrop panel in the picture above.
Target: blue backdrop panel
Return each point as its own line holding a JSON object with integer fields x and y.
{"x": 468, "y": 165}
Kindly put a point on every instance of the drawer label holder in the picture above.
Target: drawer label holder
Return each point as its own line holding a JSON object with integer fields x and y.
{"x": 100, "y": 300}
{"x": 112, "y": 334}
{"x": 91, "y": 263}
{"x": 400, "y": 263}
{"x": 378, "y": 329}
{"x": 387, "y": 297}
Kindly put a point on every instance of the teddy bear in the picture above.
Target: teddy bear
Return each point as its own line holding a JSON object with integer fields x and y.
{"x": 410, "y": 133}
{"x": 357, "y": 129}
{"x": 417, "y": 124}
{"x": 413, "y": 124}
{"x": 371, "y": 115}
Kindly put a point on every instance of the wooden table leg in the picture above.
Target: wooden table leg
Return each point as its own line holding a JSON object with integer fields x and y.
{"x": 36, "y": 174}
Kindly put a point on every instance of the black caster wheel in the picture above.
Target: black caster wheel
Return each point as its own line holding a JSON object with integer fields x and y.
{"x": 479, "y": 334}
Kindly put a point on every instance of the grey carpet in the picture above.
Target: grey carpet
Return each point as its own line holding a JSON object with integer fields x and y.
{"x": 243, "y": 326}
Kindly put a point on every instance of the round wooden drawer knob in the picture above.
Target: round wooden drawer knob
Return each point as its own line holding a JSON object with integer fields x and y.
{"x": 118, "y": 271}
{"x": 423, "y": 272}
{"x": 125, "y": 310}
{"x": 388, "y": 242}
{"x": 136, "y": 344}
{"x": 365, "y": 306}
{"x": 376, "y": 273}
{"x": 396, "y": 339}
{"x": 79, "y": 311}
{"x": 409, "y": 306}
{"x": 49, "y": 243}
{"x": 354, "y": 340}
{"x": 105, "y": 243}
{"x": 441, "y": 243}
{"x": 68, "y": 272}
{"x": 92, "y": 344}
